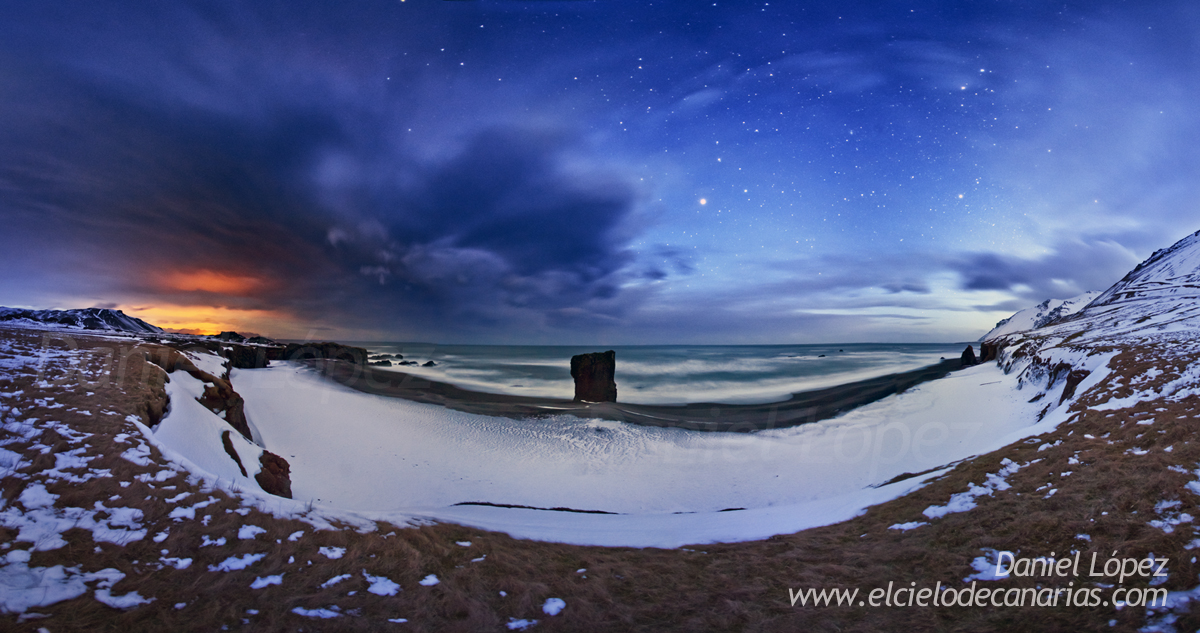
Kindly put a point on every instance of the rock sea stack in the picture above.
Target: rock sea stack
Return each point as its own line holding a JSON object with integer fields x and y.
{"x": 594, "y": 376}
{"x": 968, "y": 356}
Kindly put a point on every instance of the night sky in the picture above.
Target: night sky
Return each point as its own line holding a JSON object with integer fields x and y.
{"x": 591, "y": 172}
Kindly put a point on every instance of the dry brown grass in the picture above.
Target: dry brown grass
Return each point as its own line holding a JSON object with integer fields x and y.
{"x": 1110, "y": 496}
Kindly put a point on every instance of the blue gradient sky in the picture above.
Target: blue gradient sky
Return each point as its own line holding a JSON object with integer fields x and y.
{"x": 591, "y": 172}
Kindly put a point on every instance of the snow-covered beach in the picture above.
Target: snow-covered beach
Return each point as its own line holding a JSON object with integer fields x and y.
{"x": 664, "y": 487}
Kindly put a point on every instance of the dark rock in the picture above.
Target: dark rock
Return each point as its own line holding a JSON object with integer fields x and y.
{"x": 986, "y": 352}
{"x": 326, "y": 350}
{"x": 381, "y": 363}
{"x": 170, "y": 360}
{"x": 219, "y": 397}
{"x": 990, "y": 351}
{"x": 821, "y": 356}
{"x": 260, "y": 340}
{"x": 231, "y": 337}
{"x": 408, "y": 362}
{"x": 275, "y": 476}
{"x": 246, "y": 357}
{"x": 429, "y": 363}
{"x": 594, "y": 376}
{"x": 1073, "y": 379}
{"x": 227, "y": 442}
{"x": 968, "y": 356}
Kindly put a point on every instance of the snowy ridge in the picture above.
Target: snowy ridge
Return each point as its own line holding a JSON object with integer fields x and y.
{"x": 1160, "y": 296}
{"x": 84, "y": 318}
{"x": 1171, "y": 273}
{"x": 1043, "y": 314}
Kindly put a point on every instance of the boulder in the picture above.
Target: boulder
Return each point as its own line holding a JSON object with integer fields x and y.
{"x": 275, "y": 475}
{"x": 429, "y": 363}
{"x": 968, "y": 356}
{"x": 594, "y": 376}
{"x": 380, "y": 363}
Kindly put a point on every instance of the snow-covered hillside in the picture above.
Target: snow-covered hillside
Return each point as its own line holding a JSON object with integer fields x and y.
{"x": 85, "y": 318}
{"x": 1041, "y": 315}
{"x": 1160, "y": 296}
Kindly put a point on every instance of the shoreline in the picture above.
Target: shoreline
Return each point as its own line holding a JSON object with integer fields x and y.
{"x": 801, "y": 408}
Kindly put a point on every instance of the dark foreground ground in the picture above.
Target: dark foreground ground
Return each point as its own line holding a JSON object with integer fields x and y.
{"x": 801, "y": 408}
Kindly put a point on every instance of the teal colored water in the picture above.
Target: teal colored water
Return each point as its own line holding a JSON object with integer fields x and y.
{"x": 668, "y": 374}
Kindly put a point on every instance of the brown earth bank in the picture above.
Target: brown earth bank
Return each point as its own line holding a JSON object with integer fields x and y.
{"x": 1111, "y": 474}
{"x": 800, "y": 408}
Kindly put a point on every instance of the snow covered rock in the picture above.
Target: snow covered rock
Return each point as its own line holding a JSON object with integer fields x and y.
{"x": 86, "y": 318}
{"x": 1045, "y": 313}
{"x": 1169, "y": 273}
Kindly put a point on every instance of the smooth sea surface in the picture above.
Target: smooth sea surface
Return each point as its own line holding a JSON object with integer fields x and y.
{"x": 668, "y": 374}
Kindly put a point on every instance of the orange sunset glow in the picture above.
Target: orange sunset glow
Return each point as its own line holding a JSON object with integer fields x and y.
{"x": 210, "y": 320}
{"x": 211, "y": 281}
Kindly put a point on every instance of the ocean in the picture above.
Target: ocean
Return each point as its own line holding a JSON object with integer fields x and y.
{"x": 668, "y": 374}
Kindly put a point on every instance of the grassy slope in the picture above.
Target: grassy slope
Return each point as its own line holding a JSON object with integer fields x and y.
{"x": 1110, "y": 495}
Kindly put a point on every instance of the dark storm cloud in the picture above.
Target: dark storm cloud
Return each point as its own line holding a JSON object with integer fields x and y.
{"x": 1071, "y": 267}
{"x": 505, "y": 225}
{"x": 122, "y": 185}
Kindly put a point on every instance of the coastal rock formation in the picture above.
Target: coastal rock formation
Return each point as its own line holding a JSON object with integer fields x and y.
{"x": 594, "y": 376}
{"x": 246, "y": 356}
{"x": 325, "y": 350}
{"x": 231, "y": 337}
{"x": 968, "y": 356}
{"x": 219, "y": 397}
{"x": 988, "y": 351}
{"x": 275, "y": 475}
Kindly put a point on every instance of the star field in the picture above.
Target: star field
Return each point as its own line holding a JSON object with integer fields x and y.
{"x": 594, "y": 172}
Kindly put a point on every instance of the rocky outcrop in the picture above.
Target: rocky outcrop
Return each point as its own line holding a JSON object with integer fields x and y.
{"x": 324, "y": 350}
{"x": 380, "y": 363}
{"x": 275, "y": 475}
{"x": 594, "y": 376}
{"x": 220, "y": 398}
{"x": 968, "y": 357}
{"x": 246, "y": 356}
{"x": 227, "y": 442}
{"x": 989, "y": 351}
